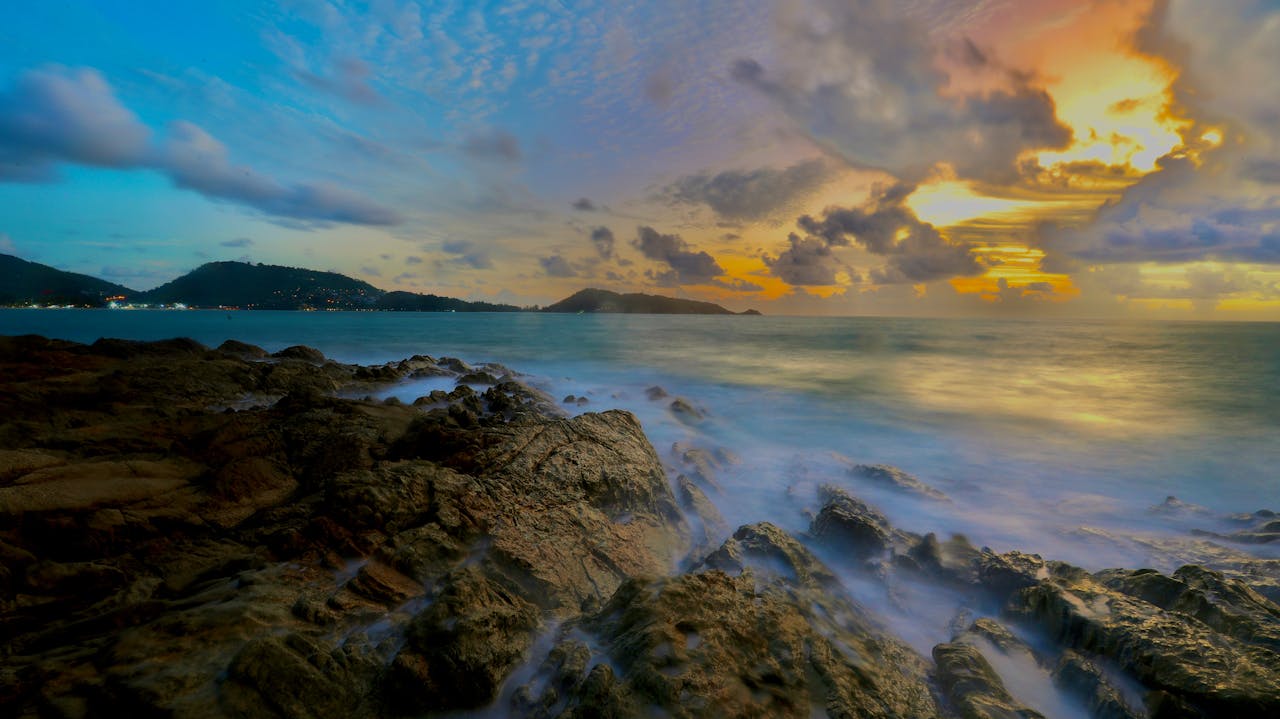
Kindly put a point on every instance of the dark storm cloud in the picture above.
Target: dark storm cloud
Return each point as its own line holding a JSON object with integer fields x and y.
{"x": 740, "y": 195}
{"x": 687, "y": 266}
{"x": 583, "y": 204}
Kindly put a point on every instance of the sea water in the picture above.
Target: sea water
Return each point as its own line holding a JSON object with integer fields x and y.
{"x": 1055, "y": 437}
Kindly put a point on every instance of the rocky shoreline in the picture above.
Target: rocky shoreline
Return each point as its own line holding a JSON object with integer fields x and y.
{"x": 187, "y": 531}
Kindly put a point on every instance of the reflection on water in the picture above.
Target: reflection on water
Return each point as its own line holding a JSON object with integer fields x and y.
{"x": 1025, "y": 416}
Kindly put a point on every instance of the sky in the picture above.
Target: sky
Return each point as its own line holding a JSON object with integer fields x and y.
{"x": 1065, "y": 158}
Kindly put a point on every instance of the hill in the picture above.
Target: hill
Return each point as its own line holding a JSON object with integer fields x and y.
{"x": 264, "y": 287}
{"x": 414, "y": 302}
{"x": 595, "y": 300}
{"x": 22, "y": 282}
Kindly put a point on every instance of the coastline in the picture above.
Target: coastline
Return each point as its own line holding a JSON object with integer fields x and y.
{"x": 227, "y": 532}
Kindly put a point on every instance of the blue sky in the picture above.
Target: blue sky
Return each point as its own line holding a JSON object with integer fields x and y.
{"x": 520, "y": 150}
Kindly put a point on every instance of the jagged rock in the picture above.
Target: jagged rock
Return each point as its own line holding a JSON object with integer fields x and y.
{"x": 290, "y": 548}
{"x": 762, "y": 643}
{"x": 1086, "y": 680}
{"x": 461, "y": 648}
{"x": 1167, "y": 650}
{"x": 972, "y": 687}
{"x": 851, "y": 525}
{"x": 710, "y": 521}
{"x": 477, "y": 377}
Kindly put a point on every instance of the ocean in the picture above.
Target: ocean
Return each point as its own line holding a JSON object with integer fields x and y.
{"x": 1054, "y": 437}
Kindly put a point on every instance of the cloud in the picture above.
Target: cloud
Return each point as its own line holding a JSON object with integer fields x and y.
{"x": 739, "y": 285}
{"x": 915, "y": 251}
{"x": 6, "y": 244}
{"x": 195, "y": 160}
{"x": 371, "y": 271}
{"x": 556, "y": 266}
{"x": 603, "y": 239}
{"x": 807, "y": 261}
{"x": 59, "y": 115}
{"x": 350, "y": 80}
{"x": 468, "y": 253}
{"x": 1222, "y": 207}
{"x": 861, "y": 79}
{"x": 413, "y": 260}
{"x": 493, "y": 144}
{"x": 742, "y": 195}
{"x": 583, "y": 204}
{"x": 238, "y": 242}
{"x": 686, "y": 266}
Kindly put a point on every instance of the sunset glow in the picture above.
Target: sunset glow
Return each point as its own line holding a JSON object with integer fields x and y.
{"x": 518, "y": 156}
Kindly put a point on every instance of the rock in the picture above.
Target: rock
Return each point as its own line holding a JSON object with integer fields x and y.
{"x": 851, "y": 525}
{"x": 1168, "y": 651}
{"x": 972, "y": 687}
{"x": 278, "y": 559}
{"x": 894, "y": 478}
{"x": 709, "y": 520}
{"x": 1083, "y": 678}
{"x": 685, "y": 411}
{"x": 242, "y": 350}
{"x": 477, "y": 377}
{"x": 655, "y": 393}
{"x": 1174, "y": 507}
{"x": 461, "y": 648}
{"x": 301, "y": 352}
{"x": 782, "y": 644}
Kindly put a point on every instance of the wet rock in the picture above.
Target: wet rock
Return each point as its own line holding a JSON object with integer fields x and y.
{"x": 709, "y": 520}
{"x": 461, "y": 648}
{"x": 477, "y": 377}
{"x": 1086, "y": 680}
{"x": 298, "y": 677}
{"x": 243, "y": 350}
{"x": 1168, "y": 651}
{"x": 972, "y": 687}
{"x": 273, "y": 561}
{"x": 1174, "y": 507}
{"x": 700, "y": 465}
{"x": 781, "y": 643}
{"x": 851, "y": 525}
{"x": 655, "y": 393}
{"x": 894, "y": 478}
{"x": 301, "y": 352}
{"x": 684, "y": 410}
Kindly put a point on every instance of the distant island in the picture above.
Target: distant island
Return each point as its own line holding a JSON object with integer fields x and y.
{"x": 595, "y": 300}
{"x": 23, "y": 282}
{"x": 249, "y": 286}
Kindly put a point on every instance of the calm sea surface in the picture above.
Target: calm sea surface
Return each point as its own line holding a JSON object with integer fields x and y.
{"x": 1048, "y": 436}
